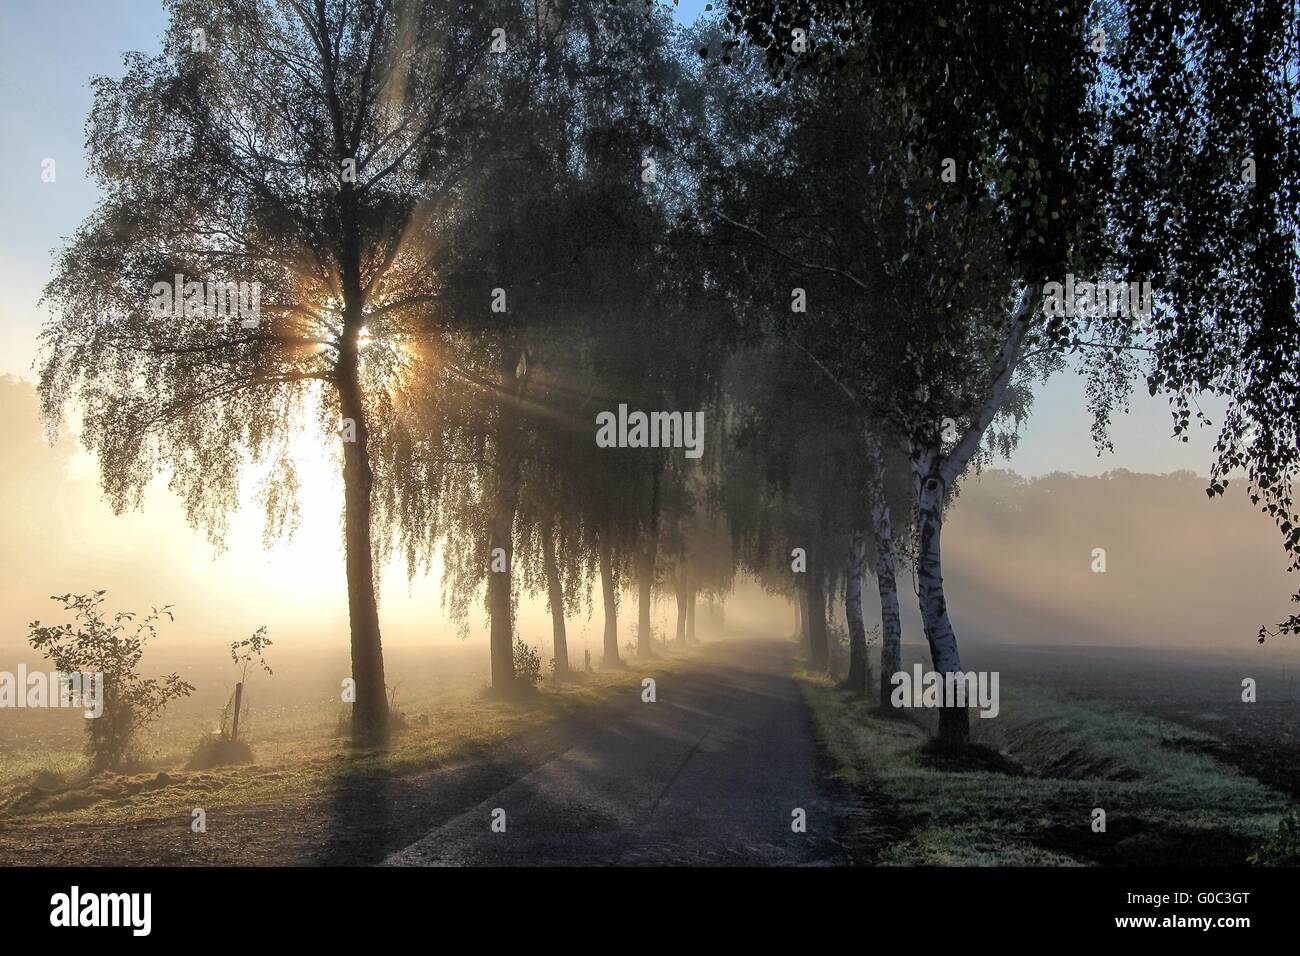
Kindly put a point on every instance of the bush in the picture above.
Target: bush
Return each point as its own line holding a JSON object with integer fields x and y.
{"x": 91, "y": 645}
{"x": 528, "y": 664}
{"x": 1282, "y": 849}
{"x": 218, "y": 750}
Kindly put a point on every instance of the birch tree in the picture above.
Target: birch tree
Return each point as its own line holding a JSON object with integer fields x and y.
{"x": 985, "y": 174}
{"x": 313, "y": 149}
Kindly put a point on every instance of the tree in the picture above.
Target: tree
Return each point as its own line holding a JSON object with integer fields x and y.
{"x": 699, "y": 555}
{"x": 981, "y": 183}
{"x": 792, "y": 515}
{"x": 245, "y": 653}
{"x": 313, "y": 150}
{"x": 1204, "y": 109}
{"x": 493, "y": 473}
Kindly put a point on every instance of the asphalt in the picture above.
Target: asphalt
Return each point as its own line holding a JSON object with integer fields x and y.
{"x": 710, "y": 773}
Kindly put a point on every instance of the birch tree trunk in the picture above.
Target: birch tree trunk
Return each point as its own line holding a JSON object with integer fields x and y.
{"x": 370, "y": 709}
{"x": 647, "y": 556}
{"x": 610, "y": 592}
{"x": 815, "y": 597}
{"x": 856, "y": 681}
{"x": 891, "y": 630}
{"x": 934, "y": 475}
{"x": 954, "y": 723}
{"x": 683, "y": 598}
{"x": 805, "y": 622}
{"x": 555, "y": 595}
{"x": 645, "y": 593}
{"x": 501, "y": 535}
{"x": 500, "y": 605}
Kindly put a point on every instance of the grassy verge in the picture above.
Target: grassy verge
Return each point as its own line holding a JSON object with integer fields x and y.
{"x": 1029, "y": 797}
{"x": 301, "y": 756}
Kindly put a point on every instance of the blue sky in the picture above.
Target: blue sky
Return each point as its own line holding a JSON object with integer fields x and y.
{"x": 49, "y": 51}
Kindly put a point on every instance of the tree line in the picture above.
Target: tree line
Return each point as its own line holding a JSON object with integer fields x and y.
{"x": 827, "y": 227}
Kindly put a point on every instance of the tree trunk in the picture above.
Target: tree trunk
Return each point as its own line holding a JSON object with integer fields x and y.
{"x": 954, "y": 723}
{"x": 645, "y": 594}
{"x": 857, "y": 676}
{"x": 610, "y": 591}
{"x": 805, "y": 619}
{"x": 682, "y": 599}
{"x": 501, "y": 536}
{"x": 815, "y": 593}
{"x": 934, "y": 474}
{"x": 891, "y": 628}
{"x": 500, "y": 609}
{"x": 646, "y": 572}
{"x": 556, "y": 596}
{"x": 690, "y": 616}
{"x": 370, "y": 709}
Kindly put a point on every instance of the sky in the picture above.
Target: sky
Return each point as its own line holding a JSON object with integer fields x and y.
{"x": 48, "y": 53}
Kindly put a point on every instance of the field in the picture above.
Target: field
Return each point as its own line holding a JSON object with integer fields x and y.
{"x": 308, "y": 796}
{"x": 1185, "y": 771}
{"x": 1187, "y": 774}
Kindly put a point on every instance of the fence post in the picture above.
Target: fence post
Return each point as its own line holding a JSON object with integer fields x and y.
{"x": 234, "y": 725}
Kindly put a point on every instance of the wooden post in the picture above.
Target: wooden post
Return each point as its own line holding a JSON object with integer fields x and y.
{"x": 234, "y": 724}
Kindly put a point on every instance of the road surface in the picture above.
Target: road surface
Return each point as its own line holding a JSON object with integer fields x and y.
{"x": 711, "y": 773}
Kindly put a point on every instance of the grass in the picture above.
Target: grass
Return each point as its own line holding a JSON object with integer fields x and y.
{"x": 1166, "y": 803}
{"x": 297, "y": 753}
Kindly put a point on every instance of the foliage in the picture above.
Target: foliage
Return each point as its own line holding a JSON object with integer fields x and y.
{"x": 528, "y": 664}
{"x": 249, "y": 651}
{"x": 90, "y": 644}
{"x": 1206, "y": 121}
{"x": 1283, "y": 848}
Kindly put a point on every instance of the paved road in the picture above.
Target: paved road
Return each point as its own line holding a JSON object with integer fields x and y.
{"x": 709, "y": 773}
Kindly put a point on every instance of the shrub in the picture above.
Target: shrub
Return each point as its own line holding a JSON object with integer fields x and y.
{"x": 89, "y": 644}
{"x": 250, "y": 651}
{"x": 218, "y": 750}
{"x": 528, "y": 664}
{"x": 1283, "y": 848}
{"x": 244, "y": 653}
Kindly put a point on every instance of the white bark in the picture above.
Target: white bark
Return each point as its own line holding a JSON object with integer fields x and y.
{"x": 930, "y": 494}
{"x": 949, "y": 467}
{"x": 934, "y": 474}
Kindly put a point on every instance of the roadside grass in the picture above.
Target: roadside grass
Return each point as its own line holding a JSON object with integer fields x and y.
{"x": 1166, "y": 803}
{"x": 296, "y": 754}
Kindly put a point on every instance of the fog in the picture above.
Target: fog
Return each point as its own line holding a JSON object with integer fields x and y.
{"x": 1181, "y": 570}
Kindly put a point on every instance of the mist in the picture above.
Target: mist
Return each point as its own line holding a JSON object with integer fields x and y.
{"x": 1182, "y": 571}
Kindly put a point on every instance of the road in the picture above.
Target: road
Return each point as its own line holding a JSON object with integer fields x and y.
{"x": 710, "y": 773}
